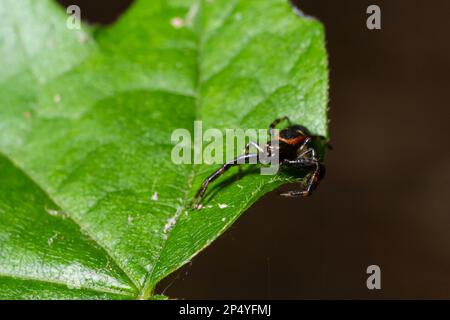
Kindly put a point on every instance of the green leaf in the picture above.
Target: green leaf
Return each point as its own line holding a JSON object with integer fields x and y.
{"x": 91, "y": 205}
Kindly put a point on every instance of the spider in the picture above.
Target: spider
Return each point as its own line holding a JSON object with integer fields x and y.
{"x": 297, "y": 151}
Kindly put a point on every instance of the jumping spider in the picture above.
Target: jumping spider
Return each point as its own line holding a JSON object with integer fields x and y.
{"x": 297, "y": 150}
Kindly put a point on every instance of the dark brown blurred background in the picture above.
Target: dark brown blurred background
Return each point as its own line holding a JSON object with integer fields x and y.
{"x": 386, "y": 197}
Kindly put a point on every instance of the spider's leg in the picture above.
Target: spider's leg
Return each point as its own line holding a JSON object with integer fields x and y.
{"x": 247, "y": 151}
{"x": 254, "y": 144}
{"x": 201, "y": 192}
{"x": 314, "y": 178}
{"x": 276, "y": 122}
{"x": 307, "y": 154}
{"x": 304, "y": 144}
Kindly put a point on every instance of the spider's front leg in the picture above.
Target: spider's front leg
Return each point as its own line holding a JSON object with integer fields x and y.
{"x": 315, "y": 176}
{"x": 247, "y": 151}
{"x": 201, "y": 192}
{"x": 276, "y": 122}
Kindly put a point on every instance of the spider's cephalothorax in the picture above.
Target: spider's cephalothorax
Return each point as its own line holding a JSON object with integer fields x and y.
{"x": 296, "y": 150}
{"x": 290, "y": 140}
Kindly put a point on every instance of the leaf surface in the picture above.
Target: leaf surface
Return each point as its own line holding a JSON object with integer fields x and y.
{"x": 91, "y": 205}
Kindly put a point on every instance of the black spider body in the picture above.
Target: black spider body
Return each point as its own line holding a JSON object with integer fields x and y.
{"x": 297, "y": 150}
{"x": 290, "y": 139}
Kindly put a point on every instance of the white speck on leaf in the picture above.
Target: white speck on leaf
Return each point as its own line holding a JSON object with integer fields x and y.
{"x": 82, "y": 37}
{"x": 155, "y": 196}
{"x": 224, "y": 219}
{"x": 172, "y": 221}
{"x": 130, "y": 219}
{"x": 177, "y": 22}
{"x": 55, "y": 213}
{"x": 52, "y": 238}
{"x": 238, "y": 16}
{"x": 57, "y": 98}
{"x": 223, "y": 205}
